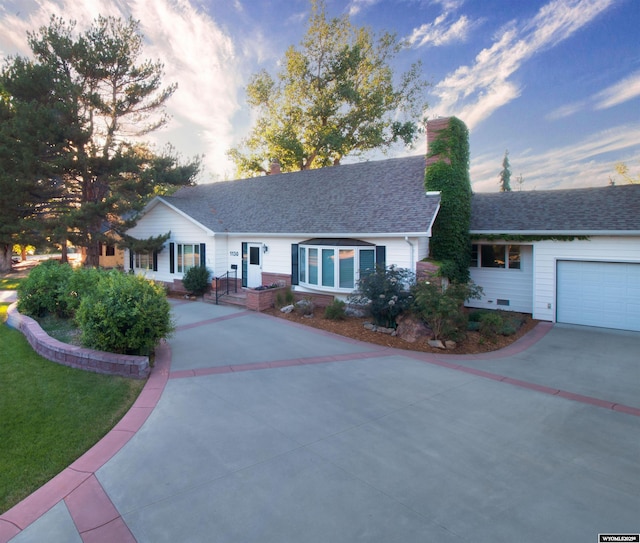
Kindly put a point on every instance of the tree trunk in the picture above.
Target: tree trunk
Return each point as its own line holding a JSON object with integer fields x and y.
{"x": 5, "y": 257}
{"x": 65, "y": 255}
{"x": 93, "y": 255}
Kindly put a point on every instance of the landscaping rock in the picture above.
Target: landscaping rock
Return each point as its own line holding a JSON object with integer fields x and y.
{"x": 412, "y": 329}
{"x": 450, "y": 344}
{"x": 370, "y": 326}
{"x": 384, "y": 330}
{"x": 355, "y": 311}
{"x": 436, "y": 344}
{"x": 287, "y": 308}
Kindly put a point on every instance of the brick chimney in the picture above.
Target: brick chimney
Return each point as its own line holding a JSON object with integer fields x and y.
{"x": 274, "y": 167}
{"x": 434, "y": 126}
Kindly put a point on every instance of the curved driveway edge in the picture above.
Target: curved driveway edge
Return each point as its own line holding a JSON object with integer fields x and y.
{"x": 90, "y": 507}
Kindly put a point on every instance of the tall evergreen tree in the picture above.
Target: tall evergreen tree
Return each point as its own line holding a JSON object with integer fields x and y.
{"x": 100, "y": 99}
{"x": 28, "y": 184}
{"x": 505, "y": 174}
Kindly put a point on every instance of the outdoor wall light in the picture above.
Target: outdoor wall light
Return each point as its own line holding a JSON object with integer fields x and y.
{"x": 265, "y": 249}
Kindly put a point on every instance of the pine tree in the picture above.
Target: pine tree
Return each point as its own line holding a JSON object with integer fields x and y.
{"x": 505, "y": 174}
{"x": 97, "y": 95}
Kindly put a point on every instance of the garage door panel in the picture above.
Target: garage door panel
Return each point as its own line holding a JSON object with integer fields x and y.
{"x": 605, "y": 294}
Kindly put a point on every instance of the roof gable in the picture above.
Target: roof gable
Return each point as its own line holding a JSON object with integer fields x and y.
{"x": 589, "y": 210}
{"x": 371, "y": 197}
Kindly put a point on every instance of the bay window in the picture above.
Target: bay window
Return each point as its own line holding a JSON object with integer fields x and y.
{"x": 336, "y": 264}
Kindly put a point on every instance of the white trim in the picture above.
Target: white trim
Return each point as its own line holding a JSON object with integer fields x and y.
{"x": 555, "y": 233}
{"x": 328, "y": 235}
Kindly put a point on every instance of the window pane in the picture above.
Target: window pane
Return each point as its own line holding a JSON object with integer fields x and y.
{"x": 302, "y": 263}
{"x": 347, "y": 259}
{"x": 142, "y": 261}
{"x": 328, "y": 267}
{"x": 254, "y": 256}
{"x": 493, "y": 256}
{"x": 514, "y": 257}
{"x": 474, "y": 256}
{"x": 188, "y": 257}
{"x": 313, "y": 266}
{"x": 367, "y": 262}
{"x": 180, "y": 259}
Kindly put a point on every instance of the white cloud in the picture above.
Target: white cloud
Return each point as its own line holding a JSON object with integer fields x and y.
{"x": 475, "y": 92}
{"x": 589, "y": 162}
{"x": 358, "y": 5}
{"x": 614, "y": 95}
{"x": 440, "y": 32}
{"x": 623, "y": 91}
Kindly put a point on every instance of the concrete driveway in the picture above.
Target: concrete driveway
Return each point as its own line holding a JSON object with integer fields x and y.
{"x": 266, "y": 431}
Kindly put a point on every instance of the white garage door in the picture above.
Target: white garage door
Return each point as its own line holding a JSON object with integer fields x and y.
{"x": 605, "y": 294}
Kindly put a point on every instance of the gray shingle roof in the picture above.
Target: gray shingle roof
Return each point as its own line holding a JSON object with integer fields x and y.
{"x": 371, "y": 197}
{"x": 610, "y": 208}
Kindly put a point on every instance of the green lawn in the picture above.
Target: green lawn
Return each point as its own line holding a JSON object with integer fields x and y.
{"x": 9, "y": 283}
{"x": 50, "y": 414}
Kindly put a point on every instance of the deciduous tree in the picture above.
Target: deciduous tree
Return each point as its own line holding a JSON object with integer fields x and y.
{"x": 335, "y": 95}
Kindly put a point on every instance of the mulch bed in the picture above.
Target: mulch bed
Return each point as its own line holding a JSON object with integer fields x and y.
{"x": 354, "y": 328}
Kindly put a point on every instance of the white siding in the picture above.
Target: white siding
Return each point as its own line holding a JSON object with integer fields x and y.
{"x": 516, "y": 286}
{"x": 278, "y": 257}
{"x": 596, "y": 249}
{"x": 162, "y": 219}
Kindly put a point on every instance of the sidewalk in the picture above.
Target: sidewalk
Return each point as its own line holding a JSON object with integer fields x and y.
{"x": 8, "y": 296}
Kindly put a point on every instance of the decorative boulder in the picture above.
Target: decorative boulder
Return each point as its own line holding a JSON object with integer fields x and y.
{"x": 287, "y": 308}
{"x": 412, "y": 329}
{"x": 357, "y": 311}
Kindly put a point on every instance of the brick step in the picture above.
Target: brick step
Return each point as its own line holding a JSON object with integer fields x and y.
{"x": 238, "y": 299}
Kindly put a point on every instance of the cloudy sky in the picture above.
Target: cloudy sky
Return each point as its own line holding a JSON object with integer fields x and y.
{"x": 556, "y": 82}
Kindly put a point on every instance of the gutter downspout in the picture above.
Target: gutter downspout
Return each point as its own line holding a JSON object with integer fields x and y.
{"x": 413, "y": 263}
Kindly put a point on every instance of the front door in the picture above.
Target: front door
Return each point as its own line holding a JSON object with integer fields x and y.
{"x": 254, "y": 265}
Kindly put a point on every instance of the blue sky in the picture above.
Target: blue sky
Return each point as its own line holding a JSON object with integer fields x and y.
{"x": 556, "y": 82}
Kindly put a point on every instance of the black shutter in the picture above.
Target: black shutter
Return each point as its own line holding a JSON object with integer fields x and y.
{"x": 130, "y": 259}
{"x": 245, "y": 250}
{"x": 381, "y": 256}
{"x": 294, "y": 264}
{"x": 203, "y": 255}
{"x": 155, "y": 260}
{"x": 172, "y": 257}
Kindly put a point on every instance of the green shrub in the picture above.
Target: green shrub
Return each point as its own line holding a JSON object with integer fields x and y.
{"x": 81, "y": 282}
{"x": 491, "y": 323}
{"x": 124, "y": 314}
{"x": 386, "y": 293}
{"x": 335, "y": 311}
{"x": 473, "y": 326}
{"x": 45, "y": 290}
{"x": 443, "y": 308}
{"x": 474, "y": 316}
{"x": 197, "y": 280}
{"x": 283, "y": 298}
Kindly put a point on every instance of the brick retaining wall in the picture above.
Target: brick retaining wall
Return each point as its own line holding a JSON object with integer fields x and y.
{"x": 74, "y": 356}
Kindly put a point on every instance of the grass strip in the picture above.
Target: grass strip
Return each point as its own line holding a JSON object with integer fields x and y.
{"x": 49, "y": 414}
{"x": 9, "y": 283}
